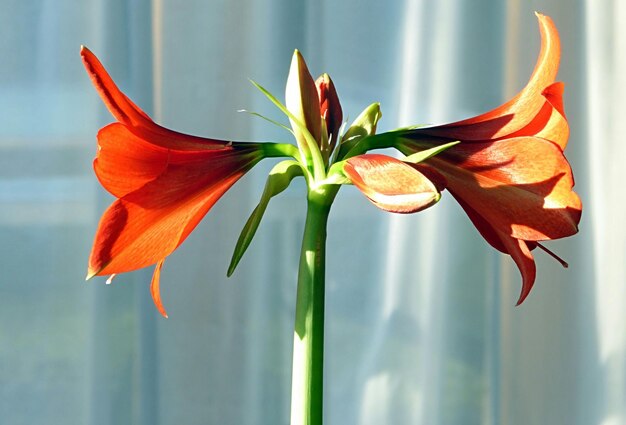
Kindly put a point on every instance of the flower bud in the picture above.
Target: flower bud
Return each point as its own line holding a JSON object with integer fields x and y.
{"x": 330, "y": 111}
{"x": 302, "y": 101}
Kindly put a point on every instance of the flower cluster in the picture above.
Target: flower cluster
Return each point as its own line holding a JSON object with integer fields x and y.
{"x": 505, "y": 168}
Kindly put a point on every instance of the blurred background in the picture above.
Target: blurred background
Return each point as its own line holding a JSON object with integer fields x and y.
{"x": 421, "y": 326}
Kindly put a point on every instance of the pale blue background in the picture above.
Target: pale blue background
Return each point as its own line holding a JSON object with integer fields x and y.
{"x": 421, "y": 327}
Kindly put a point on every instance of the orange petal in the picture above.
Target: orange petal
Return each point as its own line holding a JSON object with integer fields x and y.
{"x": 146, "y": 225}
{"x": 125, "y": 162}
{"x": 122, "y": 108}
{"x": 519, "y": 111}
{"x": 522, "y": 186}
{"x": 154, "y": 289}
{"x": 390, "y": 184}
{"x": 126, "y": 112}
{"x": 550, "y": 122}
{"x": 556, "y": 129}
{"x": 519, "y": 251}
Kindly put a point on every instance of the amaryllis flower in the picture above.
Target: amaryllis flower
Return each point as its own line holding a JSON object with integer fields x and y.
{"x": 508, "y": 171}
{"x": 165, "y": 183}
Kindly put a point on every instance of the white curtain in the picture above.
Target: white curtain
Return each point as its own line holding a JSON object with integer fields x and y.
{"x": 421, "y": 326}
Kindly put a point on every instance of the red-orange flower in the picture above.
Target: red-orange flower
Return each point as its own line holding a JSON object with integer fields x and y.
{"x": 165, "y": 183}
{"x": 508, "y": 172}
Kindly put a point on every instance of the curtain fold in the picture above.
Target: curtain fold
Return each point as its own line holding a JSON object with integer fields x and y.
{"x": 604, "y": 68}
{"x": 421, "y": 326}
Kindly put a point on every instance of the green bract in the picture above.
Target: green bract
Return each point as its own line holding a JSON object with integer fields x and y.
{"x": 277, "y": 181}
{"x": 364, "y": 125}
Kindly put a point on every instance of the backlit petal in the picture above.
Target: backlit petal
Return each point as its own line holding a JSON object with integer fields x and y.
{"x": 125, "y": 162}
{"x": 550, "y": 123}
{"x": 146, "y": 225}
{"x": 556, "y": 129}
{"x": 391, "y": 184}
{"x": 519, "y": 251}
{"x": 520, "y": 110}
{"x": 126, "y": 112}
{"x": 122, "y": 108}
{"x": 522, "y": 186}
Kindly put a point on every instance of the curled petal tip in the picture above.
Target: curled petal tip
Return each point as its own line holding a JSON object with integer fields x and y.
{"x": 541, "y": 17}
{"x": 85, "y": 52}
{"x": 155, "y": 289}
{"x": 91, "y": 273}
{"x": 523, "y": 295}
{"x": 526, "y": 288}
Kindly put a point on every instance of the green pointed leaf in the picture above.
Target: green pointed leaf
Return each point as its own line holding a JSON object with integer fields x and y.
{"x": 364, "y": 125}
{"x": 277, "y": 181}
{"x": 256, "y": 114}
{"x": 275, "y": 101}
{"x": 425, "y": 154}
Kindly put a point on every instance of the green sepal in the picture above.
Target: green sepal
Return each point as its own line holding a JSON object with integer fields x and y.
{"x": 425, "y": 154}
{"x": 336, "y": 175}
{"x": 364, "y": 125}
{"x": 277, "y": 181}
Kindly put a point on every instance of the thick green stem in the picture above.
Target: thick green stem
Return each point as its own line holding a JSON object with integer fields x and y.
{"x": 307, "y": 387}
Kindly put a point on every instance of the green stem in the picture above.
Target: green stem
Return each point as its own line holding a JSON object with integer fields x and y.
{"x": 273, "y": 150}
{"x": 307, "y": 388}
